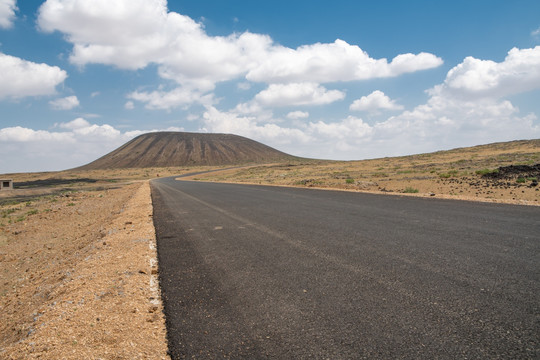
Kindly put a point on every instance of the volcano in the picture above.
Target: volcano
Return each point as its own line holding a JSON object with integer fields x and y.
{"x": 168, "y": 149}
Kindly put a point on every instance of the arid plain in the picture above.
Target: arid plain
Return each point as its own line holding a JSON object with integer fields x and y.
{"x": 77, "y": 247}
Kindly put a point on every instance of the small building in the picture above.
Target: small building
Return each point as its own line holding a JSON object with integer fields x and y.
{"x": 6, "y": 184}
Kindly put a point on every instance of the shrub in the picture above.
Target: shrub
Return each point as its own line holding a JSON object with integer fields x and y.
{"x": 349, "y": 181}
{"x": 486, "y": 171}
{"x": 448, "y": 174}
{"x": 410, "y": 190}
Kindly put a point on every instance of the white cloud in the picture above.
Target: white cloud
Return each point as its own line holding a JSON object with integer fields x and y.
{"x": 7, "y": 13}
{"x": 167, "y": 100}
{"x": 131, "y": 34}
{"x": 519, "y": 72}
{"x": 444, "y": 123}
{"x": 469, "y": 108}
{"x": 320, "y": 139}
{"x": 447, "y": 120}
{"x": 129, "y": 105}
{"x": 535, "y": 33}
{"x": 66, "y": 103}
{"x": 72, "y": 144}
{"x": 145, "y": 32}
{"x": 377, "y": 100}
{"x": 20, "y": 78}
{"x": 20, "y": 134}
{"x": 350, "y": 128}
{"x": 244, "y": 85}
{"x": 338, "y": 61}
{"x": 78, "y": 123}
{"x": 295, "y": 115}
{"x": 229, "y": 122}
{"x": 297, "y": 94}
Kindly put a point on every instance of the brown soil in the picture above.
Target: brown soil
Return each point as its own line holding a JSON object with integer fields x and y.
{"x": 164, "y": 149}
{"x": 454, "y": 174}
{"x": 79, "y": 277}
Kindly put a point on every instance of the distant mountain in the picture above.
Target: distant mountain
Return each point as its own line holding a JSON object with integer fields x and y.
{"x": 164, "y": 149}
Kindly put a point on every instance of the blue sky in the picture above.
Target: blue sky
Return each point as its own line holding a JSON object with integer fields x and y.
{"x": 337, "y": 80}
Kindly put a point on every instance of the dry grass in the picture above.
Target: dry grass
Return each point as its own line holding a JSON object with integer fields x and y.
{"x": 449, "y": 174}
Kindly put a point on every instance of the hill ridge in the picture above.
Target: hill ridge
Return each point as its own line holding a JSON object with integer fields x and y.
{"x": 169, "y": 148}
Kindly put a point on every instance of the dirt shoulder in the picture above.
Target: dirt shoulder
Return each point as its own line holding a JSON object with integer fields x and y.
{"x": 79, "y": 277}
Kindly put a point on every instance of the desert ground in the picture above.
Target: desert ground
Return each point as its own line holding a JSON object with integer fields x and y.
{"x": 79, "y": 269}
{"x": 77, "y": 248}
{"x": 503, "y": 172}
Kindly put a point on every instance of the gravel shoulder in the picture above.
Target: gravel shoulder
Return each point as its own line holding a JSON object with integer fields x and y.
{"x": 79, "y": 277}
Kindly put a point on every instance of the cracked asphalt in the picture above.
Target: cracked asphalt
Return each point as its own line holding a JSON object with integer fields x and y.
{"x": 261, "y": 272}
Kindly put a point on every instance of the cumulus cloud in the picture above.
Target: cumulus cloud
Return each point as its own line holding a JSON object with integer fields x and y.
{"x": 21, "y": 78}
{"x": 351, "y": 127}
{"x": 66, "y": 103}
{"x": 339, "y": 139}
{"x": 166, "y": 100}
{"x": 217, "y": 121}
{"x": 23, "y": 135}
{"x": 375, "y": 101}
{"x": 295, "y": 115}
{"x": 338, "y": 61}
{"x": 297, "y": 94}
{"x": 447, "y": 120}
{"x": 78, "y": 123}
{"x": 7, "y": 13}
{"x": 519, "y": 72}
{"x": 68, "y": 145}
{"x": 469, "y": 108}
{"x": 145, "y": 32}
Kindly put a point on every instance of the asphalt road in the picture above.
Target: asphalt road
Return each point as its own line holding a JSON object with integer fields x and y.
{"x": 260, "y": 272}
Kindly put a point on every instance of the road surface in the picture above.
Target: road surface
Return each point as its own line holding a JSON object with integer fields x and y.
{"x": 260, "y": 272}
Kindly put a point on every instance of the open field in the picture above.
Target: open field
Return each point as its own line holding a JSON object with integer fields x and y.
{"x": 76, "y": 246}
{"x": 467, "y": 174}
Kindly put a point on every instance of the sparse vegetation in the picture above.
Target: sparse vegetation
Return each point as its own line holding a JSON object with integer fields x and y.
{"x": 458, "y": 172}
{"x": 486, "y": 171}
{"x": 449, "y": 174}
{"x": 410, "y": 190}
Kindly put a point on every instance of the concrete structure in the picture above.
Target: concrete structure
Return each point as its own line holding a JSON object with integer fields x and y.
{"x": 6, "y": 184}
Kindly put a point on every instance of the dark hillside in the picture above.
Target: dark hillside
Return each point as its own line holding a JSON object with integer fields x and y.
{"x": 165, "y": 149}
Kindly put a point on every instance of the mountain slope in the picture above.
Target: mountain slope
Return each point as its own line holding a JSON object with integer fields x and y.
{"x": 164, "y": 149}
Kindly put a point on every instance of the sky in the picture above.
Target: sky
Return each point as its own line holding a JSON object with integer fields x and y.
{"x": 341, "y": 79}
